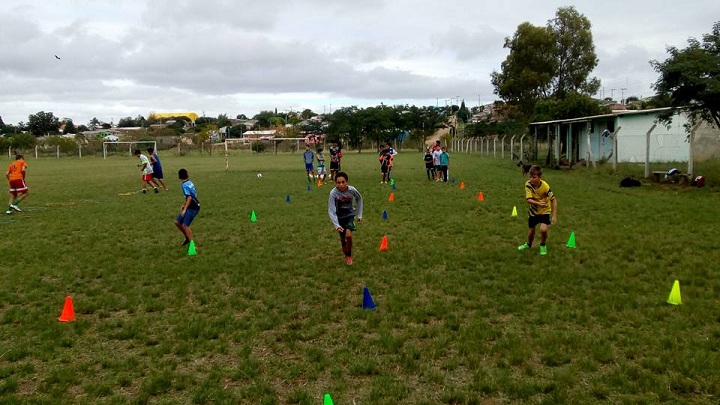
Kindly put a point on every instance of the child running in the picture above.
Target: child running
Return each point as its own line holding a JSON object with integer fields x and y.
{"x": 542, "y": 203}
{"x": 342, "y": 212}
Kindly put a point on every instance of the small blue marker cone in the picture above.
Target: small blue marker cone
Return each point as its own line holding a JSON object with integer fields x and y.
{"x": 393, "y": 186}
{"x": 287, "y": 198}
{"x": 452, "y": 180}
{"x": 384, "y": 217}
{"x": 368, "y": 302}
{"x": 309, "y": 188}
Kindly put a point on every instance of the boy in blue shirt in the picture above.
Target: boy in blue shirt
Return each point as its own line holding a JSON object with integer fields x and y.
{"x": 190, "y": 207}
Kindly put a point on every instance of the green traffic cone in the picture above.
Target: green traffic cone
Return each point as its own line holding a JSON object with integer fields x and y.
{"x": 253, "y": 218}
{"x": 327, "y": 400}
{"x": 191, "y": 249}
{"x": 674, "y": 297}
{"x": 571, "y": 240}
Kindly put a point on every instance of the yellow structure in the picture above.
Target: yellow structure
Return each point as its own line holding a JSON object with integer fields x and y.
{"x": 190, "y": 115}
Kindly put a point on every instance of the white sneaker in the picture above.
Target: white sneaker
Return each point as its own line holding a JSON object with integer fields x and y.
{"x": 8, "y": 212}
{"x": 15, "y": 207}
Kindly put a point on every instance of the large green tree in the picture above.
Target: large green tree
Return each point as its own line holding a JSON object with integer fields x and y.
{"x": 551, "y": 62}
{"x": 574, "y": 52}
{"x": 43, "y": 123}
{"x": 691, "y": 77}
{"x": 526, "y": 74}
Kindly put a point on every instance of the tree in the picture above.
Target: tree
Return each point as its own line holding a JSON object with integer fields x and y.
{"x": 42, "y": 123}
{"x": 69, "y": 127}
{"x": 691, "y": 78}
{"x": 575, "y": 53}
{"x": 527, "y": 72}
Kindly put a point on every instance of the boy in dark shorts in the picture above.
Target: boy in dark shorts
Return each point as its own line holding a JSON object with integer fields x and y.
{"x": 190, "y": 207}
{"x": 342, "y": 212}
{"x": 542, "y": 208}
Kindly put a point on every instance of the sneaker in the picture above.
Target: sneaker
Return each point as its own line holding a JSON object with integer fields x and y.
{"x": 185, "y": 242}
{"x": 8, "y": 212}
{"x": 156, "y": 190}
{"x": 543, "y": 250}
{"x": 15, "y": 207}
{"x": 144, "y": 191}
{"x": 348, "y": 260}
{"x": 524, "y": 246}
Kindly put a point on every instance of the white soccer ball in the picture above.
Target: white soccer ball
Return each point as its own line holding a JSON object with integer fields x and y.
{"x": 259, "y": 175}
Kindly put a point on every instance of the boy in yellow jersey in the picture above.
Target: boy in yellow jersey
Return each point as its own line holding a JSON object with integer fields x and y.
{"x": 16, "y": 178}
{"x": 542, "y": 209}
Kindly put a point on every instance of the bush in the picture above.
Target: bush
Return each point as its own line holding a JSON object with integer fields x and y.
{"x": 258, "y": 147}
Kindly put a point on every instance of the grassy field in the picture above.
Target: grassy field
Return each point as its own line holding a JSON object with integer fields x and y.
{"x": 268, "y": 312}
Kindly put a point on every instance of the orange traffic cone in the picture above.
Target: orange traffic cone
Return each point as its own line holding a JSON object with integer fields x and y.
{"x": 384, "y": 243}
{"x": 392, "y": 197}
{"x": 462, "y": 185}
{"x": 481, "y": 198}
{"x": 319, "y": 182}
{"x": 68, "y": 313}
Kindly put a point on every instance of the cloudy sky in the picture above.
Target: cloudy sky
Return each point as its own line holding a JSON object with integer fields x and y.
{"x": 125, "y": 58}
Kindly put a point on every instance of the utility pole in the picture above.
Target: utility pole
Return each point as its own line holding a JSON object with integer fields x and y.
{"x": 622, "y": 95}
{"x": 612, "y": 94}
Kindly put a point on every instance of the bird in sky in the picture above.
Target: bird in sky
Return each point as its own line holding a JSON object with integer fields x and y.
{"x": 57, "y": 57}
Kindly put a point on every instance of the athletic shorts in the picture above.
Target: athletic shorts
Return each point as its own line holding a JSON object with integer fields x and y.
{"x": 534, "y": 220}
{"x": 309, "y": 167}
{"x": 157, "y": 173}
{"x": 384, "y": 169}
{"x": 335, "y": 166}
{"x": 188, "y": 218}
{"x": 347, "y": 223}
{"x": 18, "y": 186}
{"x": 321, "y": 170}
{"x": 147, "y": 177}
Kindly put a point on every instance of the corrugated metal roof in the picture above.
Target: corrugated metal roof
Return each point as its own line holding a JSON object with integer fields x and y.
{"x": 615, "y": 113}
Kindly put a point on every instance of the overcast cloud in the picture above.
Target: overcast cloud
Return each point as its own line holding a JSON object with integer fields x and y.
{"x": 131, "y": 57}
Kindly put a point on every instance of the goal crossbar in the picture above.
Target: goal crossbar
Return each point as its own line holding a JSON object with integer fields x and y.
{"x": 130, "y": 146}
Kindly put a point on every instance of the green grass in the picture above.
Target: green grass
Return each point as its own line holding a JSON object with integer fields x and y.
{"x": 268, "y": 313}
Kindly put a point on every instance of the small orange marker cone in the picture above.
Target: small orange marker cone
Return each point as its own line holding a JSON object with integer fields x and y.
{"x": 68, "y": 313}
{"x": 384, "y": 243}
{"x": 481, "y": 197}
{"x": 392, "y": 197}
{"x": 319, "y": 182}
{"x": 462, "y": 185}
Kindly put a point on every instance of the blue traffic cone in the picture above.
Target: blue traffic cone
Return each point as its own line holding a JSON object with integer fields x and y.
{"x": 309, "y": 188}
{"x": 287, "y": 198}
{"x": 368, "y": 302}
{"x": 384, "y": 217}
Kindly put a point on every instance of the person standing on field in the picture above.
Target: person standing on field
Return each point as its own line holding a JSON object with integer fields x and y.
{"x": 190, "y": 207}
{"x": 157, "y": 168}
{"x": 16, "y": 178}
{"x": 147, "y": 172}
{"x": 342, "y": 212}
{"x": 541, "y": 205}
{"x": 309, "y": 158}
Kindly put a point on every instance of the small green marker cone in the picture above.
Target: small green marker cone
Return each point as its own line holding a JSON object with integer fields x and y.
{"x": 191, "y": 249}
{"x": 253, "y": 217}
{"x": 571, "y": 240}
{"x": 392, "y": 182}
{"x": 674, "y": 297}
{"x": 327, "y": 400}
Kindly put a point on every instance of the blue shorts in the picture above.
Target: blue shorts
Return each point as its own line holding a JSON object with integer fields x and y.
{"x": 188, "y": 218}
{"x": 309, "y": 167}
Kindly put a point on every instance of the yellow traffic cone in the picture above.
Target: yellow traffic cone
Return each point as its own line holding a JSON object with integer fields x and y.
{"x": 674, "y": 297}
{"x": 514, "y": 213}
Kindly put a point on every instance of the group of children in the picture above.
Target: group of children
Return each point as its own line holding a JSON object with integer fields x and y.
{"x": 437, "y": 162}
{"x": 542, "y": 204}
{"x": 152, "y": 174}
{"x": 151, "y": 168}
{"x": 309, "y": 158}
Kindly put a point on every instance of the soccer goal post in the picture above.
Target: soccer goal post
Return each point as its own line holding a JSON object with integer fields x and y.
{"x": 118, "y": 146}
